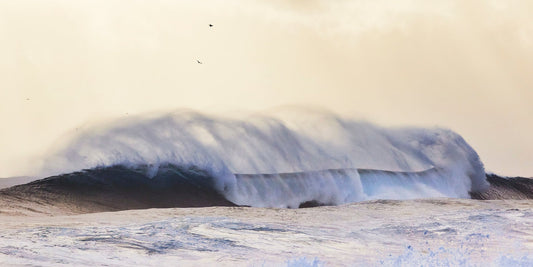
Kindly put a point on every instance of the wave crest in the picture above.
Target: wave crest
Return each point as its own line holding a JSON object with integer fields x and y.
{"x": 276, "y": 144}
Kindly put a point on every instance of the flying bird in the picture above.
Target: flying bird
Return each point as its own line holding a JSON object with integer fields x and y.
{"x": 199, "y": 62}
{"x": 210, "y": 25}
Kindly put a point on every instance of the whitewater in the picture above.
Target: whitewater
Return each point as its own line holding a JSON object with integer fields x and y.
{"x": 290, "y": 188}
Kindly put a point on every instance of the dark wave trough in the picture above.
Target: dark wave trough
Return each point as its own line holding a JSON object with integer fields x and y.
{"x": 119, "y": 188}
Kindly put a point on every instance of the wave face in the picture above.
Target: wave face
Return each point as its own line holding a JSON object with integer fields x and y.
{"x": 117, "y": 188}
{"x": 286, "y": 158}
{"x": 120, "y": 188}
{"x": 506, "y": 188}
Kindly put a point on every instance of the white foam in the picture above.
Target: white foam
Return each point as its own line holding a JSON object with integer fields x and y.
{"x": 443, "y": 232}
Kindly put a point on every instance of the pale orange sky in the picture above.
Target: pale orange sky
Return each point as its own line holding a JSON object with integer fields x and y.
{"x": 463, "y": 65}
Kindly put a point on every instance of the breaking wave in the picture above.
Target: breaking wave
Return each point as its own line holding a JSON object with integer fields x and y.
{"x": 284, "y": 159}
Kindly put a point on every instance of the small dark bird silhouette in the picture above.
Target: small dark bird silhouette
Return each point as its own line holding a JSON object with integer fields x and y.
{"x": 199, "y": 62}
{"x": 210, "y": 25}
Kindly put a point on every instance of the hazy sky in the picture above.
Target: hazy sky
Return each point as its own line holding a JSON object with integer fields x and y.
{"x": 463, "y": 65}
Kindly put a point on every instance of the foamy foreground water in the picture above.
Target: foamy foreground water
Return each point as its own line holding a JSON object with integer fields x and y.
{"x": 438, "y": 232}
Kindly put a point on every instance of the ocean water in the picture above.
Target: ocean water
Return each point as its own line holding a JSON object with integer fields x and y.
{"x": 290, "y": 189}
{"x": 430, "y": 232}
